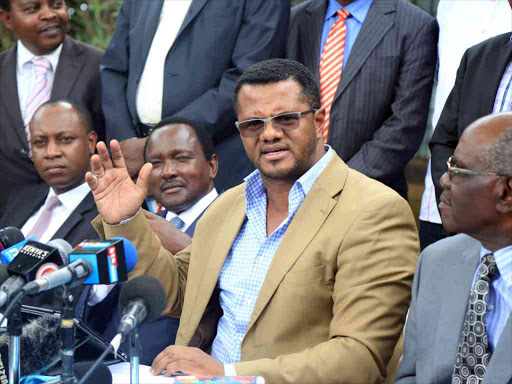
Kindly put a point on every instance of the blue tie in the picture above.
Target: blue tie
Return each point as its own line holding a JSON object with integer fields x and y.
{"x": 178, "y": 223}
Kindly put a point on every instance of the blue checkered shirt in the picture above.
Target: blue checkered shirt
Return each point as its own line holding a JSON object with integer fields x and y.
{"x": 249, "y": 259}
{"x": 500, "y": 295}
{"x": 503, "y": 101}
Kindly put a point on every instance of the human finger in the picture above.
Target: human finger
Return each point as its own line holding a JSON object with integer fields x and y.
{"x": 143, "y": 179}
{"x": 91, "y": 180}
{"x": 104, "y": 156}
{"x": 96, "y": 167}
{"x": 117, "y": 154}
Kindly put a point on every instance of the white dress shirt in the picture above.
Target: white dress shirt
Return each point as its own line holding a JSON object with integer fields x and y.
{"x": 462, "y": 24}
{"x": 150, "y": 91}
{"x": 191, "y": 214}
{"x": 69, "y": 201}
{"x": 25, "y": 74}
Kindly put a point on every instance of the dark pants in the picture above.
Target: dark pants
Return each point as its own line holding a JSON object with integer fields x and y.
{"x": 430, "y": 233}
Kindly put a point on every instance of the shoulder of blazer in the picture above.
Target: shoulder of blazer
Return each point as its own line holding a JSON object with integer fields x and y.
{"x": 74, "y": 48}
{"x": 447, "y": 250}
{"x": 8, "y": 56}
{"x": 88, "y": 204}
{"x": 493, "y": 44}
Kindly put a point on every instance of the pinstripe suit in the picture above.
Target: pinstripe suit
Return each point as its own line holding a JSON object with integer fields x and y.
{"x": 379, "y": 112}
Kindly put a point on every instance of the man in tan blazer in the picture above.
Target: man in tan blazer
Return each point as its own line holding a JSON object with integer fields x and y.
{"x": 331, "y": 304}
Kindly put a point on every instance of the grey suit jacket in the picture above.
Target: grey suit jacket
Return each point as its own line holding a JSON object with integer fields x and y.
{"x": 440, "y": 294}
{"x": 76, "y": 77}
{"x": 380, "y": 109}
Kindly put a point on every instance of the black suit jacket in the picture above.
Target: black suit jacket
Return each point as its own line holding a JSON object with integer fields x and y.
{"x": 473, "y": 95}
{"x": 74, "y": 230}
{"x": 379, "y": 113}
{"x": 76, "y": 77}
{"x": 217, "y": 42}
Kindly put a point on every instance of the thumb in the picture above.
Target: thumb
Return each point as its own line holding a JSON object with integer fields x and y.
{"x": 143, "y": 179}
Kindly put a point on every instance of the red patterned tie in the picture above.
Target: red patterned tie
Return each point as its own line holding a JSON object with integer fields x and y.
{"x": 331, "y": 64}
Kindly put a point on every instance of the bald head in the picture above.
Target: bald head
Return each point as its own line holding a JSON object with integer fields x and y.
{"x": 491, "y": 138}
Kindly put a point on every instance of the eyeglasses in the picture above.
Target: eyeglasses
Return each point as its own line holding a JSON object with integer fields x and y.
{"x": 283, "y": 122}
{"x": 452, "y": 170}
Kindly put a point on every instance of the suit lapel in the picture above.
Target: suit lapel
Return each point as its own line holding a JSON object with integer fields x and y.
{"x": 489, "y": 85}
{"x": 76, "y": 217}
{"x": 217, "y": 255}
{"x": 500, "y": 366}
{"x": 454, "y": 305}
{"x": 31, "y": 202}
{"x": 310, "y": 32}
{"x": 308, "y": 220}
{"x": 68, "y": 69}
{"x": 194, "y": 9}
{"x": 10, "y": 89}
{"x": 377, "y": 23}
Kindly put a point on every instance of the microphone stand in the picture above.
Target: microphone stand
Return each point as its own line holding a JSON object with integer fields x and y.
{"x": 67, "y": 330}
{"x": 134, "y": 356}
{"x": 14, "y": 330}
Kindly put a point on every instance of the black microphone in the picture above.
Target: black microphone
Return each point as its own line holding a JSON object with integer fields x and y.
{"x": 72, "y": 274}
{"x": 142, "y": 299}
{"x": 10, "y": 236}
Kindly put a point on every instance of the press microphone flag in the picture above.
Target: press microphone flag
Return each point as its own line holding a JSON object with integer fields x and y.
{"x": 110, "y": 259}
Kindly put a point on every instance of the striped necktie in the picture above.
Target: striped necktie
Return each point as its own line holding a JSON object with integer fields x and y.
{"x": 40, "y": 92}
{"x": 331, "y": 64}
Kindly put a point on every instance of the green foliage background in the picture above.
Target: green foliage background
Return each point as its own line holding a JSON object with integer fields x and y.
{"x": 94, "y": 21}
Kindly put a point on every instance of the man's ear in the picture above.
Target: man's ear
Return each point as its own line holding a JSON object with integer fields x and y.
{"x": 214, "y": 166}
{"x": 92, "y": 138}
{"x": 5, "y": 16}
{"x": 319, "y": 118}
{"x": 504, "y": 203}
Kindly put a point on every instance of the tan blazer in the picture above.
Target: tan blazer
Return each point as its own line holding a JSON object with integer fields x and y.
{"x": 333, "y": 303}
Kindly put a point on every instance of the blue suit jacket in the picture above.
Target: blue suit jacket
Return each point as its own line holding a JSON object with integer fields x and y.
{"x": 217, "y": 42}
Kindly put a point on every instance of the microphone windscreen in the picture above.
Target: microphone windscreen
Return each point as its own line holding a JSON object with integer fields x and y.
{"x": 4, "y": 273}
{"x": 148, "y": 289}
{"x": 10, "y": 236}
{"x": 100, "y": 375}
{"x": 130, "y": 253}
{"x": 64, "y": 249}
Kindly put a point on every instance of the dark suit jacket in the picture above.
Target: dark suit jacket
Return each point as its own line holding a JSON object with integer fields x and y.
{"x": 76, "y": 77}
{"x": 440, "y": 295}
{"x": 473, "y": 95}
{"x": 74, "y": 230}
{"x": 218, "y": 40}
{"x": 379, "y": 113}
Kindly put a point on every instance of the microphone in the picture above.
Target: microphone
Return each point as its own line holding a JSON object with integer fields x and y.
{"x": 4, "y": 275}
{"x": 10, "y": 236}
{"x": 63, "y": 247}
{"x": 8, "y": 254}
{"x": 73, "y": 273}
{"x": 142, "y": 299}
{"x": 111, "y": 259}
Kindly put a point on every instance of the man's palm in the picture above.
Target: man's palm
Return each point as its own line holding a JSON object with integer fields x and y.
{"x": 117, "y": 196}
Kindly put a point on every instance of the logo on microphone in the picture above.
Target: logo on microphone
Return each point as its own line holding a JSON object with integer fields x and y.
{"x": 113, "y": 255}
{"x": 46, "y": 269}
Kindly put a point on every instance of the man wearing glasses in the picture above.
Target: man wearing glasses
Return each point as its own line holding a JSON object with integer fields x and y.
{"x": 302, "y": 274}
{"x": 459, "y": 328}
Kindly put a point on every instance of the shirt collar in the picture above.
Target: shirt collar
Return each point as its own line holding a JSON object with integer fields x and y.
{"x": 193, "y": 212}
{"x": 254, "y": 186}
{"x": 25, "y": 56}
{"x": 71, "y": 199}
{"x": 358, "y": 9}
{"x": 503, "y": 259}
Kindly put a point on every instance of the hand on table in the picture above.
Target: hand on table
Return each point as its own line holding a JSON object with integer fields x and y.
{"x": 191, "y": 361}
{"x": 117, "y": 196}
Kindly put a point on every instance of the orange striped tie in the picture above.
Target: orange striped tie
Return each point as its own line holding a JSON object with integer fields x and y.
{"x": 331, "y": 64}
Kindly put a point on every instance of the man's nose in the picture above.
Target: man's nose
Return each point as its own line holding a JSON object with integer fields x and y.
{"x": 170, "y": 169}
{"x": 270, "y": 133}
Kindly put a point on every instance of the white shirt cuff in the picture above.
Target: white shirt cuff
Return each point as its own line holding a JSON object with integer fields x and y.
{"x": 229, "y": 370}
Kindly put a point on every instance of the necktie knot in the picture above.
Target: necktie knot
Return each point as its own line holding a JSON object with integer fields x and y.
{"x": 343, "y": 14}
{"x": 488, "y": 267}
{"x": 178, "y": 223}
{"x": 53, "y": 202}
{"x": 41, "y": 65}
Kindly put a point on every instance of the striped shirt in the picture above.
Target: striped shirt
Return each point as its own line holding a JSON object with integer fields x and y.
{"x": 249, "y": 260}
{"x": 503, "y": 101}
{"x": 500, "y": 294}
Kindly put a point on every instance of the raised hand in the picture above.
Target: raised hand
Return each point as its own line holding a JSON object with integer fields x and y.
{"x": 117, "y": 196}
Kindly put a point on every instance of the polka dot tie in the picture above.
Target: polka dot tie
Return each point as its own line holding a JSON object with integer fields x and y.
{"x": 473, "y": 353}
